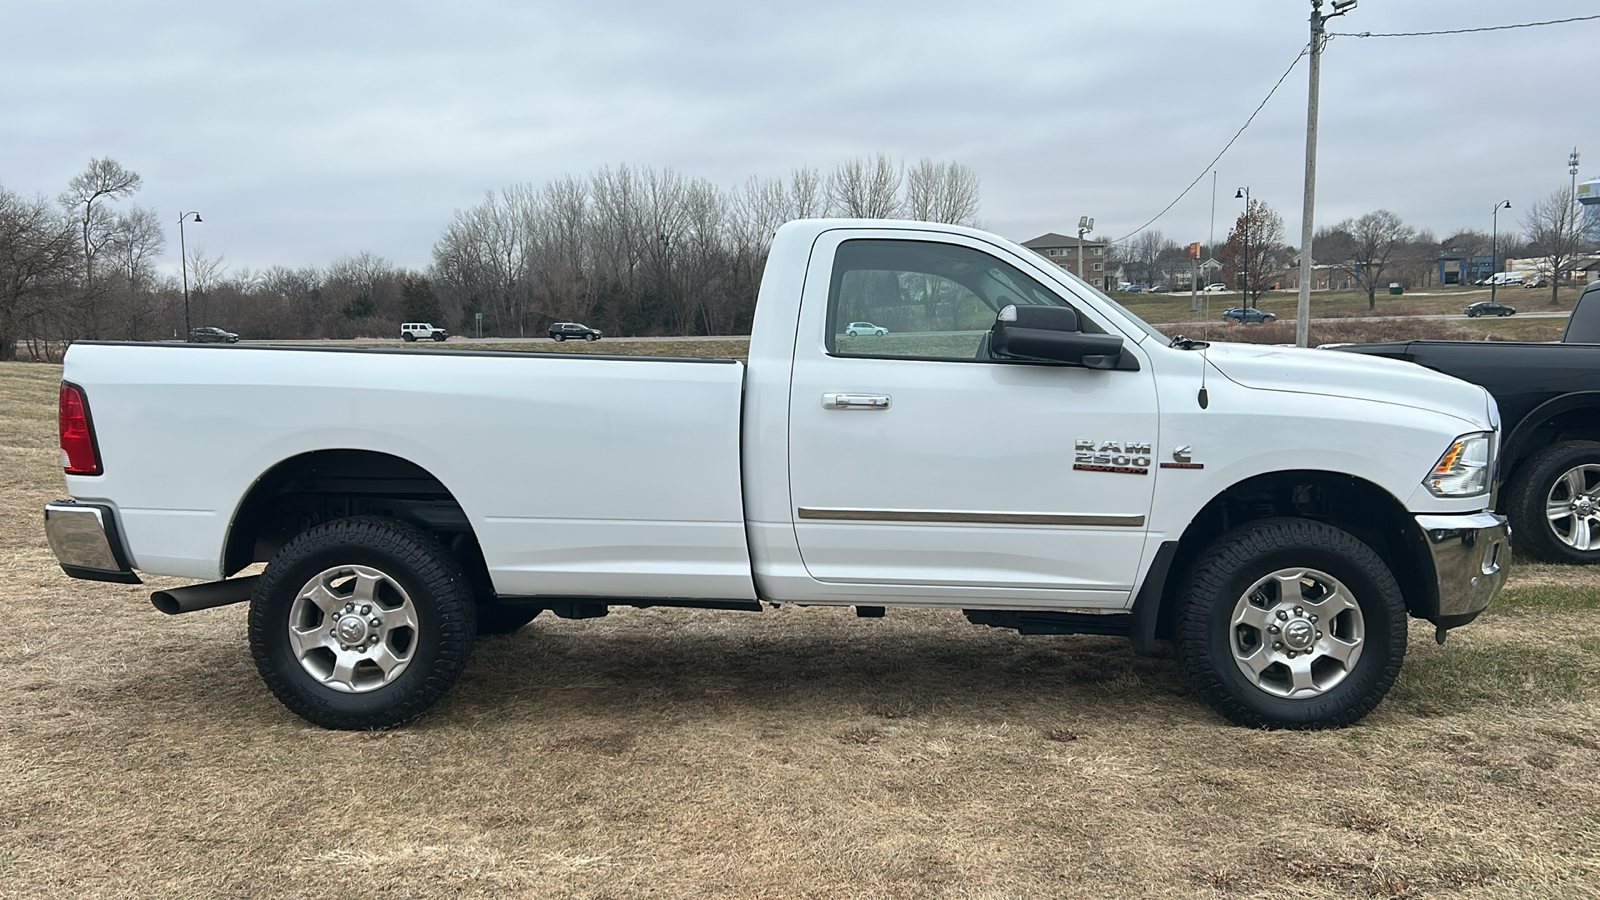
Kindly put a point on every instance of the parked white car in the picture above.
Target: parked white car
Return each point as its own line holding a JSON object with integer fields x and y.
{"x": 859, "y": 328}
{"x": 1215, "y": 288}
{"x": 1026, "y": 451}
{"x": 412, "y": 331}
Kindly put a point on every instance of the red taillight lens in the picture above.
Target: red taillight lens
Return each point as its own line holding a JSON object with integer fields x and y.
{"x": 78, "y": 454}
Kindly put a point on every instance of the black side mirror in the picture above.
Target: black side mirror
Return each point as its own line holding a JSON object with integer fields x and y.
{"x": 1052, "y": 334}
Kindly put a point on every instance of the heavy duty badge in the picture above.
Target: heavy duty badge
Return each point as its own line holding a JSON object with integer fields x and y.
{"x": 1122, "y": 458}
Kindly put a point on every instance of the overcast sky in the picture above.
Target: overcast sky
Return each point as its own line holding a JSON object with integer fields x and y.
{"x": 304, "y": 132}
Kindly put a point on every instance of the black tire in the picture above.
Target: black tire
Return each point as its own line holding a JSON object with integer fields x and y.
{"x": 560, "y": 337}
{"x": 1472, "y": 315}
{"x": 591, "y": 337}
{"x": 439, "y": 335}
{"x": 496, "y": 618}
{"x": 1506, "y": 313}
{"x": 408, "y": 337}
{"x": 1232, "y": 579}
{"x": 1547, "y": 479}
{"x": 413, "y": 569}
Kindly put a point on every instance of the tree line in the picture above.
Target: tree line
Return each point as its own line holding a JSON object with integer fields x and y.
{"x": 630, "y": 250}
{"x": 1366, "y": 252}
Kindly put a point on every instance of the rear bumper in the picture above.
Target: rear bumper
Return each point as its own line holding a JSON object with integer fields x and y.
{"x": 1470, "y": 555}
{"x": 84, "y": 538}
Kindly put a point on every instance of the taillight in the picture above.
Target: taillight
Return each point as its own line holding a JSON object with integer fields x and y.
{"x": 78, "y": 454}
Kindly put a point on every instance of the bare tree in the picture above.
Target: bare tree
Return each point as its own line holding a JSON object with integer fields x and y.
{"x": 864, "y": 188}
{"x": 135, "y": 242}
{"x": 36, "y": 260}
{"x": 941, "y": 192}
{"x": 1554, "y": 235}
{"x": 1373, "y": 239}
{"x": 104, "y": 179}
{"x": 807, "y": 196}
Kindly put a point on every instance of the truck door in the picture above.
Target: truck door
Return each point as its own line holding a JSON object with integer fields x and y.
{"x": 919, "y": 466}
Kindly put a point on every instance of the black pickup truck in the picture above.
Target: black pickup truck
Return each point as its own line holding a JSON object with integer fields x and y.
{"x": 1549, "y": 397}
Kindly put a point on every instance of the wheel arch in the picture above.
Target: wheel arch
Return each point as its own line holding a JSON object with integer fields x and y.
{"x": 1355, "y": 505}
{"x": 319, "y": 486}
{"x": 1568, "y": 417}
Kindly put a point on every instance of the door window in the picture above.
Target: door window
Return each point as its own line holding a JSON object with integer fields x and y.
{"x": 923, "y": 300}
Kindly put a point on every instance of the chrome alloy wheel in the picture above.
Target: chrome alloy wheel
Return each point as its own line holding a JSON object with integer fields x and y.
{"x": 353, "y": 629}
{"x": 1297, "y": 633}
{"x": 1573, "y": 507}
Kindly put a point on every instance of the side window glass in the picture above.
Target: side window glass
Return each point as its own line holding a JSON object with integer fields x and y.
{"x": 922, "y": 299}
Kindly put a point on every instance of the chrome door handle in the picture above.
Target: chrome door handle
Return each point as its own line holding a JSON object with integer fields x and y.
{"x": 855, "y": 401}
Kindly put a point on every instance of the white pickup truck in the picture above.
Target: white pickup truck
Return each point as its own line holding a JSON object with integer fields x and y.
{"x": 1015, "y": 445}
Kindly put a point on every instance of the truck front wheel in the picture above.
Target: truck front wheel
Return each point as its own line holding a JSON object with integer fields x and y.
{"x": 1290, "y": 623}
{"x": 361, "y": 623}
{"x": 1554, "y": 503}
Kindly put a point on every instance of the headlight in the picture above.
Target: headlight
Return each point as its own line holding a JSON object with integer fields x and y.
{"x": 1465, "y": 469}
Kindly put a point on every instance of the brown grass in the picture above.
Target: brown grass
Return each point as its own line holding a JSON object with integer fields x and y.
{"x": 795, "y": 753}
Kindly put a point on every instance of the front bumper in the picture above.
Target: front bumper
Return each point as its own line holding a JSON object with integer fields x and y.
{"x": 84, "y": 538}
{"x": 1470, "y": 554}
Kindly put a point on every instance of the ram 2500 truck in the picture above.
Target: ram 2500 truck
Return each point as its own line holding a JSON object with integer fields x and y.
{"x": 1549, "y": 396}
{"x": 1006, "y": 441}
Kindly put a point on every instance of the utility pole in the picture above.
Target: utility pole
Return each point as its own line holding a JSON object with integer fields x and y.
{"x": 1319, "y": 39}
{"x": 1577, "y": 211}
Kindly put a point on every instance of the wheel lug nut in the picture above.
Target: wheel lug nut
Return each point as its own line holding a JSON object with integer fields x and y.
{"x": 1277, "y": 645}
{"x": 1273, "y": 629}
{"x": 1282, "y": 615}
{"x": 374, "y": 623}
{"x": 1291, "y": 654}
{"x": 1298, "y": 611}
{"x": 1319, "y": 635}
{"x": 1312, "y": 617}
{"x": 365, "y": 609}
{"x": 349, "y": 606}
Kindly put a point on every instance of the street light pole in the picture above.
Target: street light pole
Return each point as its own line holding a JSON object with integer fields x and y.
{"x": 1085, "y": 225}
{"x": 1572, "y": 169}
{"x": 1494, "y": 248}
{"x": 1244, "y": 193}
{"x": 183, "y": 258}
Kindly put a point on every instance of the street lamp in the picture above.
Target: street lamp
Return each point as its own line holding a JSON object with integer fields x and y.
{"x": 1085, "y": 225}
{"x": 183, "y": 257}
{"x": 1244, "y": 194}
{"x": 1494, "y": 248}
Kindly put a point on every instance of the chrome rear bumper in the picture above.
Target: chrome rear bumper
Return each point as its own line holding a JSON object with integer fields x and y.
{"x": 1470, "y": 555}
{"x": 83, "y": 536}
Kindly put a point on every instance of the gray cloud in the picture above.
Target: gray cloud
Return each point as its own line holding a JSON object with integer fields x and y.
{"x": 308, "y": 131}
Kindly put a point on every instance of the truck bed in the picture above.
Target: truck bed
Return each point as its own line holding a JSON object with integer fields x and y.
{"x": 581, "y": 475}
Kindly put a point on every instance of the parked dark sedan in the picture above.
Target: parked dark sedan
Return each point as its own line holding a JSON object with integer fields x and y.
{"x": 1249, "y": 315}
{"x": 210, "y": 334}
{"x": 563, "y": 330}
{"x": 1489, "y": 308}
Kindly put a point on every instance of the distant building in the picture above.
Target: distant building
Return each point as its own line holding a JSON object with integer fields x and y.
{"x": 1063, "y": 251}
{"x": 1456, "y": 267}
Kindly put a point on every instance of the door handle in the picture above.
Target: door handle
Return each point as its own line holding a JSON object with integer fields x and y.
{"x": 855, "y": 401}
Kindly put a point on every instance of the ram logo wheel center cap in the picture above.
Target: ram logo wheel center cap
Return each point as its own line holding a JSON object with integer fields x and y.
{"x": 352, "y": 630}
{"x": 1299, "y": 634}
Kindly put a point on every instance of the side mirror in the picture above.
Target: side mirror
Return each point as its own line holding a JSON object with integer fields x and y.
{"x": 1052, "y": 334}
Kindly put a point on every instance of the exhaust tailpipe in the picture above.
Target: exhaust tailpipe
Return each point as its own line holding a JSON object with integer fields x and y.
{"x": 204, "y": 596}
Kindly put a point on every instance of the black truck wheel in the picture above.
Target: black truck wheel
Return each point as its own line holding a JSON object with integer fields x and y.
{"x": 361, "y": 623}
{"x": 1290, "y": 623}
{"x": 1553, "y": 502}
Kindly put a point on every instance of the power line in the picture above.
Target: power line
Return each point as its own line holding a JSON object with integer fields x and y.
{"x": 1169, "y": 206}
{"x": 1368, "y": 34}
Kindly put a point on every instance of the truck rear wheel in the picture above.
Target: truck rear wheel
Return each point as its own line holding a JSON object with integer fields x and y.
{"x": 1290, "y": 623}
{"x": 361, "y": 623}
{"x": 1554, "y": 503}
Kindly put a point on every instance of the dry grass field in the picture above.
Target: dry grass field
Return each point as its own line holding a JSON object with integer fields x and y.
{"x": 796, "y": 753}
